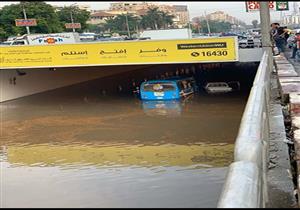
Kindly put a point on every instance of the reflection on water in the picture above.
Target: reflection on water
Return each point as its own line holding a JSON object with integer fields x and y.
{"x": 169, "y": 108}
{"x": 106, "y": 151}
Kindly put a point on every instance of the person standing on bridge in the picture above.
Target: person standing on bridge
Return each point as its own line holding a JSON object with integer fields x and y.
{"x": 295, "y": 44}
{"x": 279, "y": 35}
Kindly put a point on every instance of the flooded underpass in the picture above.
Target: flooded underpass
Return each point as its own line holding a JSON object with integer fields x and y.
{"x": 96, "y": 144}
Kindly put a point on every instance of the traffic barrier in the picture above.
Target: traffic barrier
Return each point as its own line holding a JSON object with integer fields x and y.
{"x": 246, "y": 185}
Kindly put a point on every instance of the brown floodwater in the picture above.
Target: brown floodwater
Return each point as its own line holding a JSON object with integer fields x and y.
{"x": 66, "y": 148}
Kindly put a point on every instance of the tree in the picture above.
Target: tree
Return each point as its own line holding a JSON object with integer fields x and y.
{"x": 119, "y": 25}
{"x": 167, "y": 20}
{"x": 255, "y": 23}
{"x": 47, "y": 20}
{"x": 79, "y": 16}
{"x": 215, "y": 26}
{"x": 95, "y": 28}
{"x": 196, "y": 25}
{"x": 156, "y": 19}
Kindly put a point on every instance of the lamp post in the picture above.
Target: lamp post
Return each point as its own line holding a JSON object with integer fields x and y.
{"x": 25, "y": 17}
{"x": 72, "y": 20}
{"x": 127, "y": 25}
{"x": 207, "y": 23}
{"x": 189, "y": 23}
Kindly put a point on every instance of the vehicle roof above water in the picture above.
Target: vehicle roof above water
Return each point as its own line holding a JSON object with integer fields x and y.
{"x": 169, "y": 80}
{"x": 216, "y": 83}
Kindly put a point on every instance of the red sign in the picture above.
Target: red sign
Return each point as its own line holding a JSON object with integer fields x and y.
{"x": 24, "y": 22}
{"x": 254, "y": 6}
{"x": 73, "y": 25}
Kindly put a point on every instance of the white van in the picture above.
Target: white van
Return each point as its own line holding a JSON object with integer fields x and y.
{"x": 44, "y": 39}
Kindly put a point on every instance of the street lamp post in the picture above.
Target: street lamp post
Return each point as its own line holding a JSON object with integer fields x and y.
{"x": 72, "y": 21}
{"x": 189, "y": 23}
{"x": 128, "y": 31}
{"x": 25, "y": 17}
{"x": 207, "y": 23}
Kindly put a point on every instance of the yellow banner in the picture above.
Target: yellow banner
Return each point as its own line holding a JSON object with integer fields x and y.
{"x": 223, "y": 49}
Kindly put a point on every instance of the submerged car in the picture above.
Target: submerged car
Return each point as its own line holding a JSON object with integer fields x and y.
{"x": 219, "y": 87}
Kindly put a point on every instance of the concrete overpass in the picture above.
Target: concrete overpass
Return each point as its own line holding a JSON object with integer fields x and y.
{"x": 205, "y": 50}
{"x": 24, "y": 70}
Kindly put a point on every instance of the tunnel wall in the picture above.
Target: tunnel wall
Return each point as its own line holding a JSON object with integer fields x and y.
{"x": 13, "y": 85}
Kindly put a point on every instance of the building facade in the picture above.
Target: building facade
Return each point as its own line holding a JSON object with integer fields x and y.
{"x": 291, "y": 19}
{"x": 180, "y": 12}
{"x": 219, "y": 16}
{"x": 100, "y": 17}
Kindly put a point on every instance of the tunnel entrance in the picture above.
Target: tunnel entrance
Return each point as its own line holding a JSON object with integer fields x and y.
{"x": 240, "y": 76}
{"x": 121, "y": 80}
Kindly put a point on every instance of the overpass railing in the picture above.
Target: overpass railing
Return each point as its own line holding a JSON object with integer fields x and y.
{"x": 245, "y": 185}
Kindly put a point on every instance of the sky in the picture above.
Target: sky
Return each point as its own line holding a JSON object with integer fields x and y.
{"x": 233, "y": 8}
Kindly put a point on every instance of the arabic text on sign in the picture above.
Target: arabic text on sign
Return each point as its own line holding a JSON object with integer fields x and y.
{"x": 113, "y": 52}
{"x": 155, "y": 51}
{"x": 74, "y": 53}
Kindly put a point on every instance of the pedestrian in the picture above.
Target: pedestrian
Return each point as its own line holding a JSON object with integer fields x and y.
{"x": 295, "y": 44}
{"x": 279, "y": 35}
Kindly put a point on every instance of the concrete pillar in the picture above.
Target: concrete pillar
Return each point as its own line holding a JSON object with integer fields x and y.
{"x": 267, "y": 47}
{"x": 265, "y": 30}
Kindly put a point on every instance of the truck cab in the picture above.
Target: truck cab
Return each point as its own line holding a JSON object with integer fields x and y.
{"x": 44, "y": 39}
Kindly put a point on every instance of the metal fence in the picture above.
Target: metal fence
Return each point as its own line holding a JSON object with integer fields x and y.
{"x": 245, "y": 185}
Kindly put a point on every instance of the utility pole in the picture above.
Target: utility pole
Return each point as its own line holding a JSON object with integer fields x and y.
{"x": 189, "y": 23}
{"x": 25, "y": 17}
{"x": 72, "y": 20}
{"x": 128, "y": 31}
{"x": 207, "y": 23}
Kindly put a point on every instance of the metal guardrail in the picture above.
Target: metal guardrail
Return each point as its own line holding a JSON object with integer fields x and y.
{"x": 245, "y": 185}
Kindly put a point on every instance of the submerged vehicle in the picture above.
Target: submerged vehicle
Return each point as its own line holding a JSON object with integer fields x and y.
{"x": 173, "y": 88}
{"x": 221, "y": 87}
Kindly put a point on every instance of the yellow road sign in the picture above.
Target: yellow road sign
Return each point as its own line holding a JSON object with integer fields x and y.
{"x": 223, "y": 49}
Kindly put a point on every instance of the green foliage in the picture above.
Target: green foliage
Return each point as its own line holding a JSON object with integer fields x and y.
{"x": 79, "y": 16}
{"x": 119, "y": 25}
{"x": 95, "y": 28}
{"x": 153, "y": 19}
{"x": 47, "y": 19}
{"x": 156, "y": 19}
